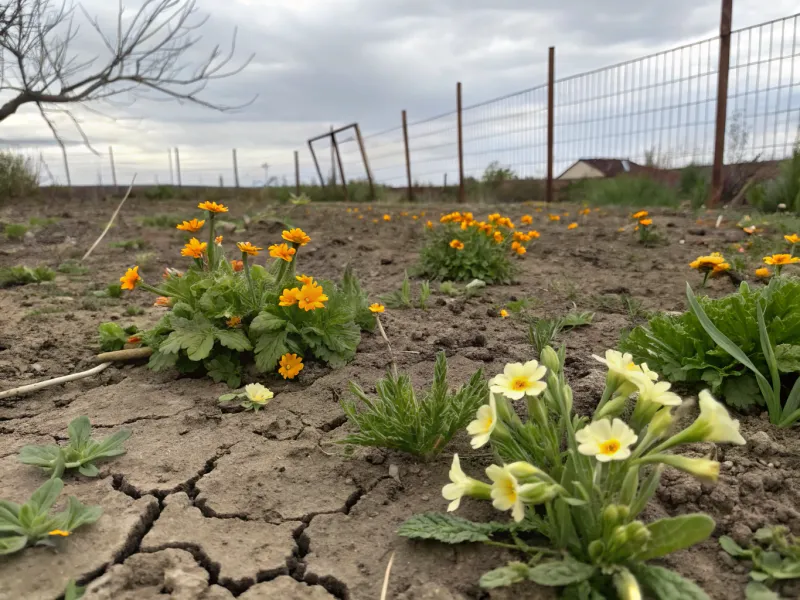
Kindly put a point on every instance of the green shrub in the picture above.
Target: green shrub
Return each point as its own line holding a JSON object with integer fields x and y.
{"x": 11, "y": 276}
{"x": 160, "y": 192}
{"x": 680, "y": 348}
{"x": 15, "y": 231}
{"x": 628, "y": 191}
{"x": 784, "y": 189}
{"x": 18, "y": 176}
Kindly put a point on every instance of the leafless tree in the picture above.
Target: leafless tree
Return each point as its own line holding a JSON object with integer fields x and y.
{"x": 154, "y": 49}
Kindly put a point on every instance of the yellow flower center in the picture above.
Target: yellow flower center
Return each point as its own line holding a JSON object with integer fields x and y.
{"x": 610, "y": 447}
{"x": 508, "y": 490}
{"x": 520, "y": 384}
{"x": 631, "y": 366}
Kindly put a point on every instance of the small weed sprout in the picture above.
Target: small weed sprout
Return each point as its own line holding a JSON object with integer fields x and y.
{"x": 399, "y": 298}
{"x": 449, "y": 288}
{"x": 15, "y": 231}
{"x": 400, "y": 420}
{"x": 134, "y": 311}
{"x": 12, "y": 276}
{"x": 81, "y": 453}
{"x": 32, "y": 524}
{"x": 775, "y": 557}
{"x": 424, "y": 294}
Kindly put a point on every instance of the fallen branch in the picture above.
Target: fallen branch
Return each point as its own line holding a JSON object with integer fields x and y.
{"x": 122, "y": 355}
{"x": 111, "y": 222}
{"x": 33, "y": 387}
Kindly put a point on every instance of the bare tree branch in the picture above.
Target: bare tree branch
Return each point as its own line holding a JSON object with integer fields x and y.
{"x": 152, "y": 50}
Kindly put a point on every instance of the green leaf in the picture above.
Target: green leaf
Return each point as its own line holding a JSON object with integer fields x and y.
{"x": 45, "y": 496}
{"x": 235, "y": 339}
{"x": 76, "y": 515}
{"x": 676, "y": 533}
{"x": 269, "y": 349}
{"x": 664, "y": 584}
{"x": 267, "y": 322}
{"x": 39, "y": 456}
{"x": 73, "y": 591}
{"x": 229, "y": 397}
{"x": 12, "y": 544}
{"x": 89, "y": 470}
{"x": 445, "y": 528}
{"x": 196, "y": 336}
{"x": 732, "y": 548}
{"x": 513, "y": 572}
{"x": 159, "y": 361}
{"x": 112, "y": 337}
{"x": 788, "y": 358}
{"x": 742, "y": 392}
{"x": 560, "y": 573}
{"x": 758, "y": 591}
{"x": 225, "y": 368}
{"x": 80, "y": 432}
{"x": 111, "y": 445}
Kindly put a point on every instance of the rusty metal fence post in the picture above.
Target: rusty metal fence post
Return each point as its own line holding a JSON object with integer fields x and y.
{"x": 461, "y": 191}
{"x": 551, "y": 68}
{"x": 722, "y": 101}
{"x": 408, "y": 158}
{"x": 296, "y": 172}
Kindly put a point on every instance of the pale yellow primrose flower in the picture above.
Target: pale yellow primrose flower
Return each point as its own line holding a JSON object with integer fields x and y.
{"x": 258, "y": 394}
{"x": 518, "y": 380}
{"x": 606, "y": 440}
{"x": 702, "y": 468}
{"x": 714, "y": 417}
{"x": 657, "y": 392}
{"x": 485, "y": 421}
{"x": 462, "y": 485}
{"x": 506, "y": 491}
{"x": 622, "y": 372}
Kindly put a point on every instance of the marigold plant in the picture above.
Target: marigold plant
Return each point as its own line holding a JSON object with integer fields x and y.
{"x": 226, "y": 312}
{"x": 462, "y": 248}
{"x": 582, "y": 484}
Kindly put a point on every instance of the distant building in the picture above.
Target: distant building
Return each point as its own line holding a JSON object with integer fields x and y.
{"x": 598, "y": 168}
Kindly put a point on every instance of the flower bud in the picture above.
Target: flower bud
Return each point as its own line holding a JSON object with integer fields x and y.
{"x": 613, "y": 408}
{"x": 660, "y": 423}
{"x": 619, "y": 537}
{"x": 523, "y": 470}
{"x": 538, "y": 493}
{"x": 596, "y": 549}
{"x": 627, "y": 586}
{"x": 611, "y": 515}
{"x": 702, "y": 468}
{"x": 549, "y": 359}
{"x": 638, "y": 533}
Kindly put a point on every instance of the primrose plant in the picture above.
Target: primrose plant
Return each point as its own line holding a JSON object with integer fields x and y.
{"x": 581, "y": 483}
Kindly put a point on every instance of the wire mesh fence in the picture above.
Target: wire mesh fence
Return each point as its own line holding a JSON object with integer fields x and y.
{"x": 657, "y": 110}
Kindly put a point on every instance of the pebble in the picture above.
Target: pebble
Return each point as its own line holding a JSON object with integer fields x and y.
{"x": 727, "y": 465}
{"x": 37, "y": 368}
{"x": 425, "y": 497}
{"x": 394, "y": 472}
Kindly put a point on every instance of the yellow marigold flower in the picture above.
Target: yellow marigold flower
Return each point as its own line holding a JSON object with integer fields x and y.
{"x": 707, "y": 263}
{"x": 485, "y": 228}
{"x": 237, "y": 265}
{"x": 585, "y": 212}
{"x": 526, "y": 219}
{"x": 218, "y": 240}
{"x": 377, "y": 308}
{"x": 414, "y": 217}
{"x": 296, "y": 236}
{"x": 387, "y": 217}
{"x": 621, "y": 229}
{"x": 248, "y": 248}
{"x": 282, "y": 251}
{"x": 533, "y": 234}
{"x": 520, "y": 237}
{"x": 515, "y": 245}
{"x": 403, "y": 214}
{"x": 572, "y": 226}
{"x": 763, "y": 272}
{"x": 360, "y": 216}
{"x": 163, "y": 301}
{"x": 234, "y": 322}
{"x": 640, "y": 215}
{"x": 504, "y": 314}
{"x": 779, "y": 260}
{"x": 59, "y": 532}
{"x": 457, "y": 245}
{"x": 792, "y": 239}
{"x": 505, "y": 222}
{"x": 636, "y": 228}
{"x": 720, "y": 268}
{"x": 520, "y": 250}
{"x": 195, "y": 248}
{"x": 464, "y": 225}
{"x": 646, "y": 222}
{"x": 498, "y": 237}
{"x": 429, "y": 224}
{"x": 311, "y": 297}
{"x": 554, "y": 217}
{"x": 192, "y": 226}
{"x": 212, "y": 207}
{"x": 130, "y": 279}
{"x": 289, "y": 297}
{"x": 305, "y": 279}
{"x": 494, "y": 217}
{"x": 290, "y": 366}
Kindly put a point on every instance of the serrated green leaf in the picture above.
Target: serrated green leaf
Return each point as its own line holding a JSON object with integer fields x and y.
{"x": 742, "y": 392}
{"x": 269, "y": 349}
{"x": 267, "y": 322}
{"x": 112, "y": 337}
{"x": 160, "y": 361}
{"x": 224, "y": 368}
{"x": 758, "y": 591}
{"x": 676, "y": 533}
{"x": 560, "y": 573}
{"x": 664, "y": 584}
{"x": 513, "y": 572}
{"x": 788, "y": 358}
{"x": 234, "y": 339}
{"x": 445, "y": 528}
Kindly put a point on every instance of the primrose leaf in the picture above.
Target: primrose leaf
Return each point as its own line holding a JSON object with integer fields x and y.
{"x": 676, "y": 533}
{"x": 80, "y": 432}
{"x": 664, "y": 584}
{"x": 44, "y": 497}
{"x": 39, "y": 456}
{"x": 110, "y": 446}
{"x": 732, "y": 548}
{"x": 513, "y": 572}
{"x": 758, "y": 591}
{"x": 77, "y": 514}
{"x": 89, "y": 470}
{"x": 446, "y": 528}
{"x": 12, "y": 544}
{"x": 560, "y": 573}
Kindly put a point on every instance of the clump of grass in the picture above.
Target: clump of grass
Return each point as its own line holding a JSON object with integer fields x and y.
{"x": 134, "y": 311}
{"x": 629, "y": 191}
{"x": 114, "y": 290}
{"x": 72, "y": 267}
{"x": 161, "y": 220}
{"x": 542, "y": 332}
{"x": 137, "y": 244}
{"x": 42, "y": 221}
{"x": 44, "y": 311}
{"x": 15, "y": 231}
{"x": 11, "y": 276}
{"x": 145, "y": 259}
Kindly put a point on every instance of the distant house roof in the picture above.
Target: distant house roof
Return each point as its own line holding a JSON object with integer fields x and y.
{"x": 611, "y": 167}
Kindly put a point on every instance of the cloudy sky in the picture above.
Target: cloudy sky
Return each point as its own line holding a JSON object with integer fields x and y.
{"x": 323, "y": 62}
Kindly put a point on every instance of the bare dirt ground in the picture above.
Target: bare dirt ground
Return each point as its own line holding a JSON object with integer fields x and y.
{"x": 210, "y": 504}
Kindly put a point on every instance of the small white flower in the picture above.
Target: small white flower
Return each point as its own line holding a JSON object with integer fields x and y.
{"x": 623, "y": 365}
{"x": 458, "y": 488}
{"x": 485, "y": 421}
{"x": 658, "y": 392}
{"x": 258, "y": 394}
{"x": 714, "y": 416}
{"x": 518, "y": 380}
{"x": 606, "y": 440}
{"x": 505, "y": 491}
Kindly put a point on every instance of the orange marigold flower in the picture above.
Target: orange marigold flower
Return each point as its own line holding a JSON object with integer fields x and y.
{"x": 218, "y": 240}
{"x": 585, "y": 211}
{"x": 572, "y": 226}
{"x": 504, "y": 222}
{"x": 212, "y": 207}
{"x": 305, "y": 279}
{"x": 130, "y": 279}
{"x": 457, "y": 244}
{"x": 163, "y": 301}
{"x": 59, "y": 532}
{"x": 520, "y": 250}
{"x": 429, "y": 224}
{"x": 377, "y": 308}
{"x": 414, "y": 217}
{"x": 504, "y": 314}
{"x": 646, "y": 222}
{"x": 498, "y": 237}
{"x": 311, "y": 297}
{"x": 134, "y": 339}
{"x": 526, "y": 219}
{"x": 192, "y": 226}
{"x": 282, "y": 251}
{"x": 763, "y": 272}
{"x": 248, "y": 248}
{"x": 554, "y": 217}
{"x": 296, "y": 236}
{"x": 750, "y": 230}
{"x": 387, "y": 217}
{"x": 520, "y": 237}
{"x": 234, "y": 322}
{"x": 779, "y": 260}
{"x": 195, "y": 248}
{"x": 464, "y": 225}
{"x": 485, "y": 228}
{"x": 707, "y": 263}
{"x": 533, "y": 234}
{"x": 640, "y": 215}
{"x": 237, "y": 265}
{"x": 720, "y": 268}
{"x": 494, "y": 217}
{"x": 515, "y": 245}
{"x": 792, "y": 239}
{"x": 290, "y": 366}
{"x": 289, "y": 297}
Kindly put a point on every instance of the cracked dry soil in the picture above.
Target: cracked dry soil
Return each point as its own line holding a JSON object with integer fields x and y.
{"x": 211, "y": 504}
